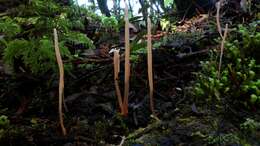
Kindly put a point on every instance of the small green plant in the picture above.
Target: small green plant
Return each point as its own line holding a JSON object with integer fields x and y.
{"x": 239, "y": 79}
{"x": 224, "y": 139}
{"x": 110, "y": 23}
{"x": 250, "y": 126}
{"x": 26, "y": 35}
{"x": 76, "y": 38}
{"x": 37, "y": 56}
{"x": 9, "y": 27}
{"x": 253, "y": 89}
{"x": 249, "y": 130}
{"x": 208, "y": 85}
{"x": 250, "y": 39}
{"x": 168, "y": 2}
{"x": 4, "y": 122}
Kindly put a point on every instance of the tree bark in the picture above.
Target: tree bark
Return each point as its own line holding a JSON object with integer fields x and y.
{"x": 116, "y": 7}
{"x": 143, "y": 4}
{"x": 102, "y": 4}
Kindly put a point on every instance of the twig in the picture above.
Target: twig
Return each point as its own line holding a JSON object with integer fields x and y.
{"x": 222, "y": 49}
{"x": 3, "y": 14}
{"x": 82, "y": 138}
{"x": 74, "y": 96}
{"x": 142, "y": 131}
{"x": 150, "y": 64}
{"x": 127, "y": 62}
{"x": 94, "y": 60}
{"x": 61, "y": 82}
{"x": 192, "y": 54}
{"x": 122, "y": 141}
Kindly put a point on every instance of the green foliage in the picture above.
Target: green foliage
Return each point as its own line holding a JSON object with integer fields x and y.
{"x": 249, "y": 130}
{"x": 238, "y": 81}
{"x": 28, "y": 34}
{"x": 38, "y": 124}
{"x": 77, "y": 38}
{"x": 110, "y": 23}
{"x": 250, "y": 85}
{"x": 250, "y": 126}
{"x": 168, "y": 2}
{"x": 9, "y": 27}
{"x": 137, "y": 49}
{"x": 100, "y": 130}
{"x": 224, "y": 139}
{"x": 250, "y": 39}
{"x": 239, "y": 78}
{"x": 4, "y": 122}
{"x": 166, "y": 24}
{"x": 37, "y": 55}
{"x": 208, "y": 85}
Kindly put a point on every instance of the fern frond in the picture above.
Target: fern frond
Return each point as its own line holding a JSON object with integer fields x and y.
{"x": 9, "y": 27}
{"x": 37, "y": 55}
{"x": 79, "y": 38}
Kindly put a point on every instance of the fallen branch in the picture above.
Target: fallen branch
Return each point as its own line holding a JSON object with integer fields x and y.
{"x": 142, "y": 131}
{"x": 61, "y": 81}
{"x": 3, "y": 14}
{"x": 122, "y": 141}
{"x": 192, "y": 54}
{"x": 94, "y": 60}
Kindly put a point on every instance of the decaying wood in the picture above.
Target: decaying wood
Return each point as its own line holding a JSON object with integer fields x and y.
{"x": 150, "y": 64}
{"x": 61, "y": 80}
{"x": 122, "y": 141}
{"x": 127, "y": 62}
{"x": 192, "y": 54}
{"x": 142, "y": 131}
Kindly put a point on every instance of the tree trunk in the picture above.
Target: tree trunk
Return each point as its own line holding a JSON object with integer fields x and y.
{"x": 102, "y": 4}
{"x": 116, "y": 7}
{"x": 130, "y": 8}
{"x": 144, "y": 6}
{"x": 161, "y": 3}
{"x": 188, "y": 8}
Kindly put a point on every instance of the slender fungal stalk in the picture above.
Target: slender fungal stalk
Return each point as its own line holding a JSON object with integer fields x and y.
{"x": 61, "y": 81}
{"x": 218, "y": 5}
{"x": 127, "y": 62}
{"x": 150, "y": 64}
{"x": 116, "y": 72}
{"x": 222, "y": 49}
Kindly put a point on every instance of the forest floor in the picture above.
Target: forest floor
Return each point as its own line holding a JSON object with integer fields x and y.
{"x": 92, "y": 116}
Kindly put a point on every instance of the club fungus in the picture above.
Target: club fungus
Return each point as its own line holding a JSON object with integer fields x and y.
{"x": 127, "y": 62}
{"x": 218, "y": 5}
{"x": 116, "y": 60}
{"x": 150, "y": 63}
{"x": 61, "y": 80}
